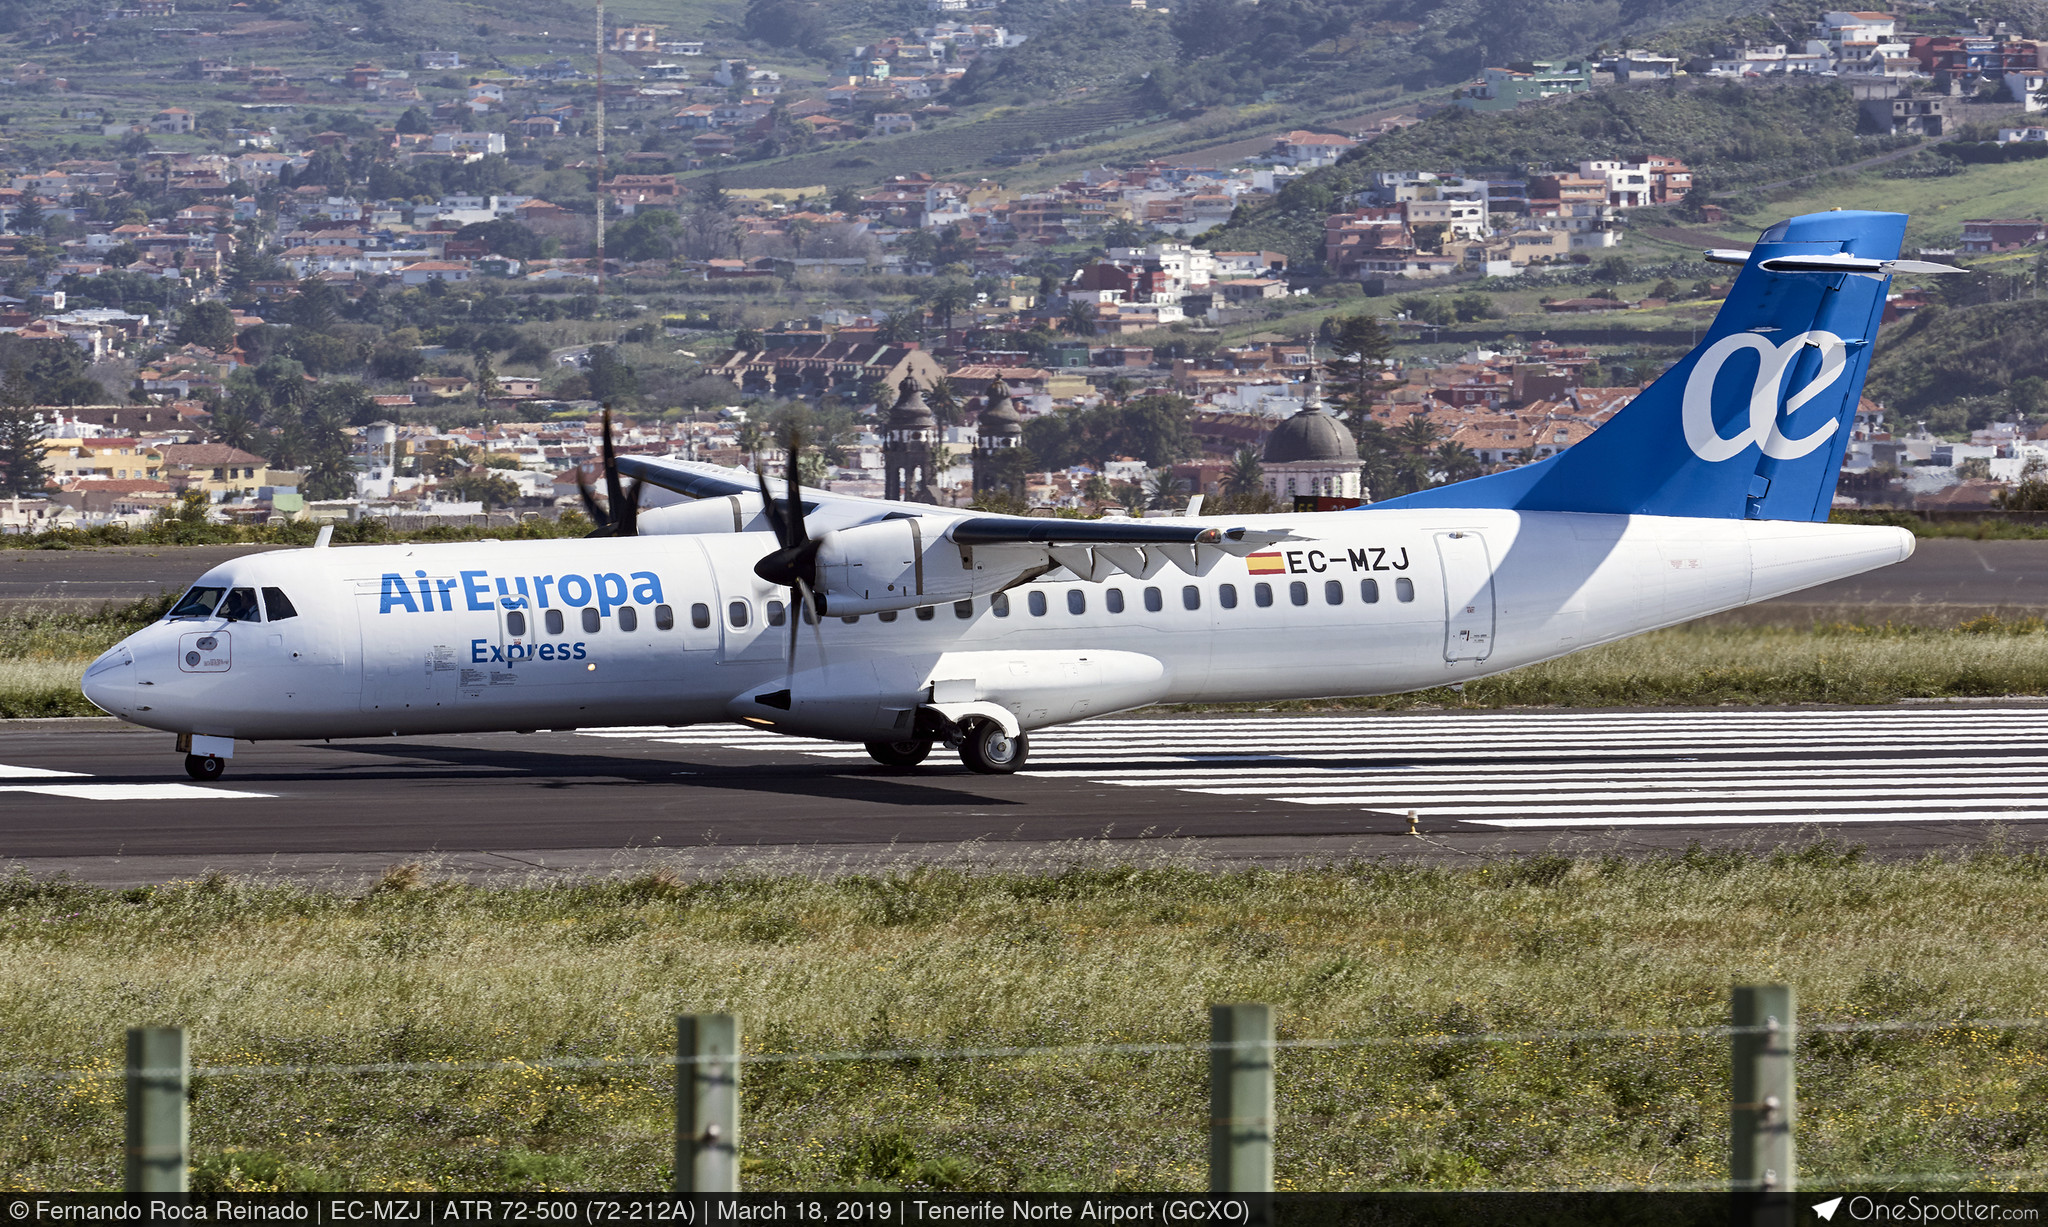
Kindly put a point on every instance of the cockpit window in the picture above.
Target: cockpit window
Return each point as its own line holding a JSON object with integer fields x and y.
{"x": 277, "y": 606}
{"x": 241, "y": 606}
{"x": 198, "y": 603}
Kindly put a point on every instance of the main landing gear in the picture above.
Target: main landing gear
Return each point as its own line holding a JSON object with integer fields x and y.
{"x": 205, "y": 767}
{"x": 988, "y": 750}
{"x": 984, "y": 747}
{"x": 900, "y": 753}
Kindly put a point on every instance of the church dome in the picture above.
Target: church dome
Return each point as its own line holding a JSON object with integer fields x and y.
{"x": 1310, "y": 436}
{"x": 910, "y": 412}
{"x": 1000, "y": 418}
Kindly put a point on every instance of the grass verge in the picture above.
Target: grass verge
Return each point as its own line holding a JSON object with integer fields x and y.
{"x": 1085, "y": 952}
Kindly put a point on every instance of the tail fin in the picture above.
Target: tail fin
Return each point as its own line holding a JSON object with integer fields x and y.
{"x": 1752, "y": 423}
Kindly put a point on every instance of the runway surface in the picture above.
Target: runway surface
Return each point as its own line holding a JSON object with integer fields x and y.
{"x": 1942, "y": 571}
{"x": 113, "y": 806}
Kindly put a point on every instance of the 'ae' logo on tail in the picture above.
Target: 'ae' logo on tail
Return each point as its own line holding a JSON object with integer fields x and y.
{"x": 1765, "y": 418}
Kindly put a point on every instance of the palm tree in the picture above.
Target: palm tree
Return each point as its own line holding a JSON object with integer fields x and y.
{"x": 1079, "y": 320}
{"x": 946, "y": 298}
{"x": 944, "y": 405}
{"x": 1456, "y": 462}
{"x": 1246, "y": 478}
{"x": 234, "y": 429}
{"x": 1162, "y": 489}
{"x": 1417, "y": 434}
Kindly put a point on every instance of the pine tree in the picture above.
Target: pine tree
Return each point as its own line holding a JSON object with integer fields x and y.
{"x": 23, "y": 463}
{"x": 1360, "y": 349}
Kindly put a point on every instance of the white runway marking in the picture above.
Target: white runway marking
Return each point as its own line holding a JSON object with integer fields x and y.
{"x": 1711, "y": 767}
{"x": 133, "y": 792}
{"x": 8, "y": 772}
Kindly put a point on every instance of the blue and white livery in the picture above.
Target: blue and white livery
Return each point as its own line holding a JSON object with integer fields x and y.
{"x": 902, "y": 626}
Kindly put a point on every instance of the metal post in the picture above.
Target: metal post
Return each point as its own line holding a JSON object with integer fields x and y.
{"x": 156, "y": 1110}
{"x": 707, "y": 1103}
{"x": 1241, "y": 1099}
{"x": 1763, "y": 1104}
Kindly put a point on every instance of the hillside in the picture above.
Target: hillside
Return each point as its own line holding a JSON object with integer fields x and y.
{"x": 1731, "y": 134}
{"x": 1955, "y": 365}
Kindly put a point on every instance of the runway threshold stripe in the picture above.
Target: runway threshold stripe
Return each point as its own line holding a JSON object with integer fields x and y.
{"x": 1734, "y": 820}
{"x": 1419, "y": 778}
{"x": 8, "y": 772}
{"x": 1733, "y": 805}
{"x": 134, "y": 792}
{"x": 2034, "y": 786}
{"x": 1564, "y": 799}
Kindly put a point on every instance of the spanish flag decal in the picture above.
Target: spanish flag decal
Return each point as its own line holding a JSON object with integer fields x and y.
{"x": 1265, "y": 564}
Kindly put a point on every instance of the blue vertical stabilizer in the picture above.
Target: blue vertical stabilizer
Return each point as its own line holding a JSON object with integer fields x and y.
{"x": 1753, "y": 422}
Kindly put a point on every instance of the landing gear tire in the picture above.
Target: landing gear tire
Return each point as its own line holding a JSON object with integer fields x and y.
{"x": 899, "y": 753}
{"x": 205, "y": 766}
{"x": 988, "y": 750}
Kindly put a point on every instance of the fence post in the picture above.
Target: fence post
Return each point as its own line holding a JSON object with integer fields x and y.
{"x": 1763, "y": 1106}
{"x": 1241, "y": 1099}
{"x": 157, "y": 1131}
{"x": 707, "y": 1103}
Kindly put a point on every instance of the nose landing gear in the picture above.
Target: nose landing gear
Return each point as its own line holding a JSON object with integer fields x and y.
{"x": 205, "y": 767}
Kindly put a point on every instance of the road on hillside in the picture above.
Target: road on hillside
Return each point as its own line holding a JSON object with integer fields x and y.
{"x": 1942, "y": 571}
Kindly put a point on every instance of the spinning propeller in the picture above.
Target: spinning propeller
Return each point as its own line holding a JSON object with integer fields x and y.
{"x": 795, "y": 562}
{"x": 619, "y": 514}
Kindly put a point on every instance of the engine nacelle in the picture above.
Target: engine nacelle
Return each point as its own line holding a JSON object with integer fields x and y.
{"x": 907, "y": 562}
{"x": 735, "y": 513}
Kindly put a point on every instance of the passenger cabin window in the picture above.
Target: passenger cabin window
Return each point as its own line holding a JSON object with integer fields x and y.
{"x": 1404, "y": 589}
{"x": 1298, "y": 592}
{"x": 736, "y": 613}
{"x": 925, "y": 613}
{"x": 1333, "y": 591}
{"x": 664, "y": 618}
{"x": 1037, "y": 603}
{"x": 1191, "y": 597}
{"x": 1077, "y": 601}
{"x": 963, "y": 609}
{"x": 700, "y": 616}
{"x": 1369, "y": 591}
{"x": 552, "y": 619}
{"x": 198, "y": 603}
{"x": 777, "y": 613}
{"x": 999, "y": 604}
{"x": 887, "y": 615}
{"x": 850, "y": 619}
{"x": 590, "y": 620}
{"x": 277, "y": 606}
{"x": 1226, "y": 596}
{"x": 629, "y": 618}
{"x": 515, "y": 624}
{"x": 1262, "y": 595}
{"x": 1154, "y": 600}
{"x": 241, "y": 606}
{"x": 1114, "y": 598}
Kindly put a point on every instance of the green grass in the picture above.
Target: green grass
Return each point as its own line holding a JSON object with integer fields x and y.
{"x": 43, "y": 654}
{"x": 1088, "y": 953}
{"x": 1938, "y": 205}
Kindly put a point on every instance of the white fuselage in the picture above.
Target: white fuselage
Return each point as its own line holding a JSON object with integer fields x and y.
{"x": 461, "y": 638}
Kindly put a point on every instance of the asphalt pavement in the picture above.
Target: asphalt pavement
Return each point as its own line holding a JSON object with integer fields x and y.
{"x": 112, "y": 805}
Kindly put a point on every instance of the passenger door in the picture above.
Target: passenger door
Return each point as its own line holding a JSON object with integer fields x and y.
{"x": 1468, "y": 595}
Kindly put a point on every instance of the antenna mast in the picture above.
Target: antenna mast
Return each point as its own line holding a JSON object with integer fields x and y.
{"x": 600, "y": 156}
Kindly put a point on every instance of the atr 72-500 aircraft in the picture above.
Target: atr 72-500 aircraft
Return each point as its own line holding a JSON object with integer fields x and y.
{"x": 902, "y": 626}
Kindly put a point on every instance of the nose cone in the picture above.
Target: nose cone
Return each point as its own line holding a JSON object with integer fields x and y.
{"x": 110, "y": 681}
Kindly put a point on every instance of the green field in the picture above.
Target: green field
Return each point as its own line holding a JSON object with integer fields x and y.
{"x": 1938, "y": 206}
{"x": 1089, "y": 951}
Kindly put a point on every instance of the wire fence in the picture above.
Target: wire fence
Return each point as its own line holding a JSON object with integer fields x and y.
{"x": 826, "y": 1056}
{"x": 1242, "y": 1051}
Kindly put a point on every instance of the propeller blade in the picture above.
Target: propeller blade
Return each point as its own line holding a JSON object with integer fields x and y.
{"x": 600, "y": 521}
{"x": 768, "y": 508}
{"x": 797, "y": 533}
{"x": 614, "y": 493}
{"x": 628, "y": 515}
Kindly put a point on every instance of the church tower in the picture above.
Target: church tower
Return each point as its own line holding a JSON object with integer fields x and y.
{"x": 910, "y": 448}
{"x": 998, "y": 445}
